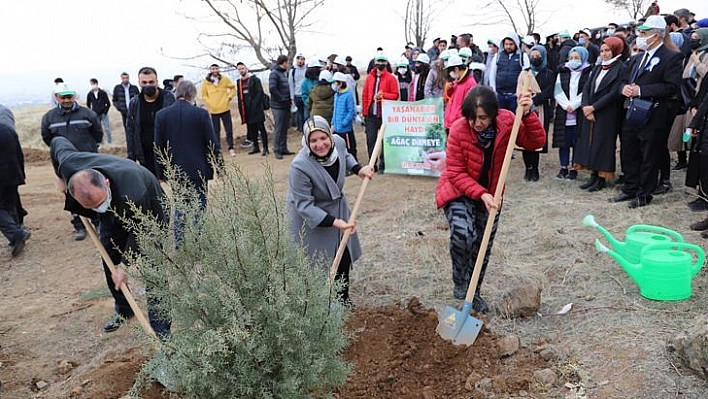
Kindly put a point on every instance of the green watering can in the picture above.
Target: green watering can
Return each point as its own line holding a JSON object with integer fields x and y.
{"x": 637, "y": 237}
{"x": 665, "y": 271}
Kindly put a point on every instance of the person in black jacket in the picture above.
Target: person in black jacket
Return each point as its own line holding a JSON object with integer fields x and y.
{"x": 97, "y": 101}
{"x": 249, "y": 91}
{"x": 122, "y": 94}
{"x": 12, "y": 170}
{"x": 566, "y": 44}
{"x": 140, "y": 128}
{"x": 109, "y": 187}
{"x": 543, "y": 104}
{"x": 280, "y": 104}
{"x": 79, "y": 125}
{"x": 653, "y": 76}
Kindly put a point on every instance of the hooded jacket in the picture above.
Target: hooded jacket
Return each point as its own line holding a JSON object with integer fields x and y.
{"x": 217, "y": 97}
{"x": 508, "y": 66}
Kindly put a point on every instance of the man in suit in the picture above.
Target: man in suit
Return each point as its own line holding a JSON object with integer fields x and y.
{"x": 185, "y": 134}
{"x": 654, "y": 75}
{"x": 109, "y": 186}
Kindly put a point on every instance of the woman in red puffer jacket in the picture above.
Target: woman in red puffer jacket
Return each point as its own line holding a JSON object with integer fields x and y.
{"x": 474, "y": 157}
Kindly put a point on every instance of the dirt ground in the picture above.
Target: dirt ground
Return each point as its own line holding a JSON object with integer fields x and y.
{"x": 54, "y": 300}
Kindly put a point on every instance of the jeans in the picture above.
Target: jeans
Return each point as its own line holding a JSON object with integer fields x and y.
{"x": 106, "y": 127}
{"x": 564, "y": 152}
{"x": 281, "y": 119}
{"x": 300, "y": 114}
{"x": 228, "y": 127}
{"x": 507, "y": 101}
{"x": 372, "y": 126}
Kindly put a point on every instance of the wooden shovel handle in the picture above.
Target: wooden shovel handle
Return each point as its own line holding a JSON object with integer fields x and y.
{"x": 126, "y": 292}
{"x": 472, "y": 288}
{"x": 345, "y": 238}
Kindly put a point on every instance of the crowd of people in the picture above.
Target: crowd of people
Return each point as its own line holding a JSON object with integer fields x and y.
{"x": 641, "y": 83}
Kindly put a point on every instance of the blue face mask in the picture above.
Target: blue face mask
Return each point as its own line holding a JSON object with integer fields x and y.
{"x": 581, "y": 41}
{"x": 105, "y": 204}
{"x": 335, "y": 87}
{"x": 574, "y": 64}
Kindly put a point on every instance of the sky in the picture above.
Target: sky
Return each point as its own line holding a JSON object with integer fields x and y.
{"x": 81, "y": 39}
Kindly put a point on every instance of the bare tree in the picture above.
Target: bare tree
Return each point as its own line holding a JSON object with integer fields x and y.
{"x": 633, "y": 7}
{"x": 521, "y": 15}
{"x": 265, "y": 27}
{"x": 417, "y": 20}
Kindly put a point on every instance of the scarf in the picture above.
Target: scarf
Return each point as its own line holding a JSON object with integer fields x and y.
{"x": 486, "y": 136}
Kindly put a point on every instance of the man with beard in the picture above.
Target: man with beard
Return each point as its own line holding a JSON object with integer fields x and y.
{"x": 140, "y": 126}
{"x": 217, "y": 92}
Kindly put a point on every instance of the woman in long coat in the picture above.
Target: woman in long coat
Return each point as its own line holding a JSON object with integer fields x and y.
{"x": 602, "y": 108}
{"x": 319, "y": 211}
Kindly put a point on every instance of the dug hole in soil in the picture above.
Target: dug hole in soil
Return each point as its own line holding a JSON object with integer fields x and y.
{"x": 396, "y": 354}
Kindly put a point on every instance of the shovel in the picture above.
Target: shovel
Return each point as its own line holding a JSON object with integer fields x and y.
{"x": 458, "y": 325}
{"x": 128, "y": 296}
{"x": 352, "y": 217}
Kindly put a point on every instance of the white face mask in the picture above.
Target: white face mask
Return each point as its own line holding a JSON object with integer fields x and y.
{"x": 105, "y": 204}
{"x": 610, "y": 32}
{"x": 574, "y": 64}
{"x": 643, "y": 42}
{"x": 402, "y": 71}
{"x": 453, "y": 75}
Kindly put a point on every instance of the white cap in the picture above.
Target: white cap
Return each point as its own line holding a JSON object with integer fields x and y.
{"x": 653, "y": 22}
{"x": 444, "y": 55}
{"x": 422, "y": 58}
{"x": 314, "y": 63}
{"x": 339, "y": 60}
{"x": 339, "y": 77}
{"x": 380, "y": 56}
{"x": 63, "y": 89}
{"x": 465, "y": 52}
{"x": 402, "y": 62}
{"x": 325, "y": 75}
{"x": 454, "y": 61}
{"x": 529, "y": 41}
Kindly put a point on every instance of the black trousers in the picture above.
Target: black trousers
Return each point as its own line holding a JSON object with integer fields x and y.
{"x": 252, "y": 130}
{"x": 216, "y": 120}
{"x": 639, "y": 155}
{"x": 372, "y": 125}
{"x": 351, "y": 142}
{"x": 664, "y": 155}
{"x": 10, "y": 224}
{"x": 115, "y": 239}
{"x": 342, "y": 275}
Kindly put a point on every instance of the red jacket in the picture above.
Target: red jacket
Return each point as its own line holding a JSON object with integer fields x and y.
{"x": 464, "y": 157}
{"x": 457, "y": 92}
{"x": 388, "y": 86}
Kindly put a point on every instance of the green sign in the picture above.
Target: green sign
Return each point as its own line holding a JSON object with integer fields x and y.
{"x": 414, "y": 141}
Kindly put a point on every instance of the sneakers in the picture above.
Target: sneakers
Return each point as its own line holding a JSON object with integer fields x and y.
{"x": 79, "y": 234}
{"x": 232, "y": 152}
{"x": 19, "y": 245}
{"x": 572, "y": 174}
{"x": 115, "y": 322}
{"x": 562, "y": 174}
{"x": 246, "y": 143}
{"x": 698, "y": 205}
{"x": 680, "y": 165}
{"x": 480, "y": 305}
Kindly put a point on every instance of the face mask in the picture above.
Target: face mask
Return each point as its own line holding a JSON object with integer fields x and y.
{"x": 453, "y": 75}
{"x": 695, "y": 43}
{"x": 149, "y": 90}
{"x": 574, "y": 64}
{"x": 105, "y": 204}
{"x": 643, "y": 43}
{"x": 402, "y": 71}
{"x": 335, "y": 87}
{"x": 634, "y": 53}
{"x": 581, "y": 41}
{"x": 536, "y": 61}
{"x": 610, "y": 32}
{"x": 380, "y": 67}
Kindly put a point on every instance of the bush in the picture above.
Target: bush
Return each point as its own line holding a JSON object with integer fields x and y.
{"x": 251, "y": 317}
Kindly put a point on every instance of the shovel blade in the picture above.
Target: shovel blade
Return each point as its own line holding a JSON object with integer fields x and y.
{"x": 458, "y": 326}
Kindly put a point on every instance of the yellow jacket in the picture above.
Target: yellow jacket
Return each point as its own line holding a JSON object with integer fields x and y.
{"x": 218, "y": 97}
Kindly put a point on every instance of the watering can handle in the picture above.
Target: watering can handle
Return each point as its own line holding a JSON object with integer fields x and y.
{"x": 656, "y": 229}
{"x": 700, "y": 254}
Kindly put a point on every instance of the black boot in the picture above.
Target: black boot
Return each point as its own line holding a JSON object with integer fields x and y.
{"x": 534, "y": 173}
{"x": 599, "y": 185}
{"x": 255, "y": 149}
{"x": 527, "y": 175}
{"x": 590, "y": 183}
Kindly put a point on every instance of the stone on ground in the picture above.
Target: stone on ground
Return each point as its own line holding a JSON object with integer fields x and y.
{"x": 523, "y": 300}
{"x": 690, "y": 347}
{"x": 508, "y": 345}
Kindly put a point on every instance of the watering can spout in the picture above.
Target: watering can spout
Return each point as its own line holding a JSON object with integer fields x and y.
{"x": 634, "y": 270}
{"x": 617, "y": 245}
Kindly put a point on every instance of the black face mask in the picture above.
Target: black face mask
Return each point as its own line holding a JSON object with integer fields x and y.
{"x": 695, "y": 43}
{"x": 380, "y": 67}
{"x": 536, "y": 61}
{"x": 149, "y": 90}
